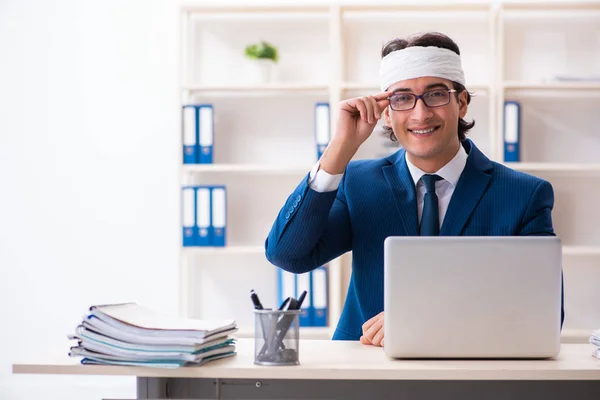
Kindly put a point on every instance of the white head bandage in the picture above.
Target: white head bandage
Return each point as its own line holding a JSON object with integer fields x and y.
{"x": 415, "y": 62}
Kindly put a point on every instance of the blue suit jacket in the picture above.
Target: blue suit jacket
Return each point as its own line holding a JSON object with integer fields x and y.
{"x": 377, "y": 199}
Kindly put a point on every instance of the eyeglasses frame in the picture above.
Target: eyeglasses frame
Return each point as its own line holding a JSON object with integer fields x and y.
{"x": 420, "y": 96}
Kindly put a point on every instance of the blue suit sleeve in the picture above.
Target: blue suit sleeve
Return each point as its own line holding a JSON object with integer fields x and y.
{"x": 538, "y": 221}
{"x": 310, "y": 230}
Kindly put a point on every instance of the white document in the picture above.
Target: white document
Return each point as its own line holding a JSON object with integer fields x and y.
{"x": 133, "y": 318}
{"x": 86, "y": 335}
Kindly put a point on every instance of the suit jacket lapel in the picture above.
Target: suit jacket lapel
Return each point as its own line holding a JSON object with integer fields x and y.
{"x": 402, "y": 189}
{"x": 469, "y": 189}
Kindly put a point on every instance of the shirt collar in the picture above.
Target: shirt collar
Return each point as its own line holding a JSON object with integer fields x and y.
{"x": 450, "y": 172}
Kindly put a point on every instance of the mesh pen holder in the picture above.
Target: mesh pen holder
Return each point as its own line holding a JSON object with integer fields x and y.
{"x": 276, "y": 337}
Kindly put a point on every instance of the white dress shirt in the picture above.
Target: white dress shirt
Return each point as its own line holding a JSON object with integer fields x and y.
{"x": 321, "y": 181}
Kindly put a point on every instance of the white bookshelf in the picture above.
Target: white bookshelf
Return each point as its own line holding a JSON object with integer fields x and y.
{"x": 264, "y": 140}
{"x": 559, "y": 87}
{"x": 248, "y": 169}
{"x": 255, "y": 88}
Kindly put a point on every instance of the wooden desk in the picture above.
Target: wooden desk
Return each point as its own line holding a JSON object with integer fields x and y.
{"x": 349, "y": 370}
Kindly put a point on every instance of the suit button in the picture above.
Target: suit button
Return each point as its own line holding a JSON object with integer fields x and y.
{"x": 298, "y": 199}
{"x": 287, "y": 216}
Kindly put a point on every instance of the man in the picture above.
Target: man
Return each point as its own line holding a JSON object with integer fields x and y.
{"x": 439, "y": 183}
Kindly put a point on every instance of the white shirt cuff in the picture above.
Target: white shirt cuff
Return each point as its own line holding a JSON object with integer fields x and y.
{"x": 322, "y": 181}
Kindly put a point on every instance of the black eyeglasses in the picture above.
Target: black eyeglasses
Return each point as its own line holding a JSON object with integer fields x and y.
{"x": 432, "y": 98}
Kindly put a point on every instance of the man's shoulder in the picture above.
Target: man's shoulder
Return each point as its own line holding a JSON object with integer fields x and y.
{"x": 373, "y": 164}
{"x": 367, "y": 164}
{"x": 509, "y": 176}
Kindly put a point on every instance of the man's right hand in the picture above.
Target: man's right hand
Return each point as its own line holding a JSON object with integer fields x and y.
{"x": 373, "y": 331}
{"x": 357, "y": 120}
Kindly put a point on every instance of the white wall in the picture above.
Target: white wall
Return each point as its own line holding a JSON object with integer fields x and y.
{"x": 88, "y": 176}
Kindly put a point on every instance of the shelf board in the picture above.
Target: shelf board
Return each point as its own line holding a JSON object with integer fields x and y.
{"x": 317, "y": 6}
{"x": 320, "y": 333}
{"x": 567, "y": 250}
{"x": 247, "y": 168}
{"x": 554, "y": 167}
{"x": 576, "y": 335}
{"x": 423, "y": 5}
{"x": 225, "y": 250}
{"x": 277, "y": 6}
{"x": 581, "y": 250}
{"x": 261, "y": 89}
{"x": 563, "y": 85}
{"x": 550, "y": 5}
{"x": 374, "y": 87}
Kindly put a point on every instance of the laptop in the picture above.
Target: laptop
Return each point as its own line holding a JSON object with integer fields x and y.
{"x": 472, "y": 297}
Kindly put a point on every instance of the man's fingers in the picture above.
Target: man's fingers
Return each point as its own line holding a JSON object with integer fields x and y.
{"x": 360, "y": 106}
{"x": 370, "y": 110}
{"x": 368, "y": 324}
{"x": 371, "y": 321}
{"x": 376, "y": 109}
{"x": 382, "y": 95}
{"x": 372, "y": 331}
{"x": 364, "y": 340}
{"x": 378, "y": 338}
{"x": 382, "y": 104}
{"x": 369, "y": 107}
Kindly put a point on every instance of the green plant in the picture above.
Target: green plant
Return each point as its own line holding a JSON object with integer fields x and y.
{"x": 262, "y": 50}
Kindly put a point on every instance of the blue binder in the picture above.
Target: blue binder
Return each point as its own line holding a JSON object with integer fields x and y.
{"x": 203, "y": 216}
{"x": 303, "y": 282}
{"x": 188, "y": 215}
{"x": 322, "y": 127}
{"x": 512, "y": 130}
{"x": 218, "y": 215}
{"x": 189, "y": 134}
{"x": 206, "y": 129}
{"x": 319, "y": 296}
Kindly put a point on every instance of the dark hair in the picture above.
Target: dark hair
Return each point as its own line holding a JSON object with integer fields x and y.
{"x": 429, "y": 39}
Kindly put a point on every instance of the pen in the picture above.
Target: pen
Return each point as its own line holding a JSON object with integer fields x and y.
{"x": 301, "y": 299}
{"x": 255, "y": 300}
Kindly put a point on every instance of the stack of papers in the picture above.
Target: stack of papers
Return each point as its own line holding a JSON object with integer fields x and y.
{"x": 129, "y": 334}
{"x": 595, "y": 341}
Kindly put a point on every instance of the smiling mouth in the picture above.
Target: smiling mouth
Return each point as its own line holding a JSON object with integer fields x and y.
{"x": 424, "y": 131}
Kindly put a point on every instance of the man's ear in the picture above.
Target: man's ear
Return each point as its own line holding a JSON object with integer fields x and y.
{"x": 386, "y": 116}
{"x": 462, "y": 104}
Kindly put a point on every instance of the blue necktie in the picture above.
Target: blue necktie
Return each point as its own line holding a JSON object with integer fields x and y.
{"x": 430, "y": 220}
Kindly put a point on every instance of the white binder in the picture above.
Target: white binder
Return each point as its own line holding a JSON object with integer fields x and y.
{"x": 319, "y": 287}
{"x": 188, "y": 216}
{"x": 304, "y": 283}
{"x": 205, "y": 134}
{"x": 512, "y": 128}
{"x": 322, "y": 127}
{"x": 203, "y": 216}
{"x": 189, "y": 135}
{"x": 219, "y": 215}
